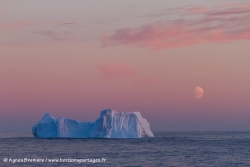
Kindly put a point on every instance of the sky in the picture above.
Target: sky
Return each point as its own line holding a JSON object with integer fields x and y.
{"x": 76, "y": 59}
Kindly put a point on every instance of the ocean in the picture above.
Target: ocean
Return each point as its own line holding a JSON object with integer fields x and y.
{"x": 184, "y": 149}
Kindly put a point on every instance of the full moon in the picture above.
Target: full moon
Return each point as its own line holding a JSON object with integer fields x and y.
{"x": 198, "y": 92}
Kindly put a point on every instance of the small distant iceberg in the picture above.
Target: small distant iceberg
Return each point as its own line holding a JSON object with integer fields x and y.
{"x": 110, "y": 124}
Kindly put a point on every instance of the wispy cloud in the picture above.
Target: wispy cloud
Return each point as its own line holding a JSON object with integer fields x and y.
{"x": 14, "y": 25}
{"x": 67, "y": 22}
{"x": 198, "y": 25}
{"x": 196, "y": 10}
{"x": 106, "y": 21}
{"x": 57, "y": 36}
{"x": 115, "y": 71}
{"x": 164, "y": 12}
{"x": 19, "y": 24}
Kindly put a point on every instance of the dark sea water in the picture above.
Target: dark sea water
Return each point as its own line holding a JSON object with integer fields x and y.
{"x": 165, "y": 149}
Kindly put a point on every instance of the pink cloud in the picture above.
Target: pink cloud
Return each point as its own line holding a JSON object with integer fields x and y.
{"x": 14, "y": 25}
{"x": 115, "y": 71}
{"x": 217, "y": 25}
{"x": 196, "y": 10}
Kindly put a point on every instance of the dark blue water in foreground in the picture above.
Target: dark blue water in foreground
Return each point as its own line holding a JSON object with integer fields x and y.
{"x": 165, "y": 149}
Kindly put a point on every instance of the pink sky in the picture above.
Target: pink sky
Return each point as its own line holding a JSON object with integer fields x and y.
{"x": 129, "y": 57}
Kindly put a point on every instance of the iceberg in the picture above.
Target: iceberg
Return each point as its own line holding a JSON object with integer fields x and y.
{"x": 110, "y": 124}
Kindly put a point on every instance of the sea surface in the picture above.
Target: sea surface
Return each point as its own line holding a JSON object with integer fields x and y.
{"x": 210, "y": 149}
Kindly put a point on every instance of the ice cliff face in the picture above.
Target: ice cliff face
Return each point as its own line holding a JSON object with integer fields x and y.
{"x": 110, "y": 124}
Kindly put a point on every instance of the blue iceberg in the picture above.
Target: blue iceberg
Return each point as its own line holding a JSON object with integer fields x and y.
{"x": 110, "y": 124}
